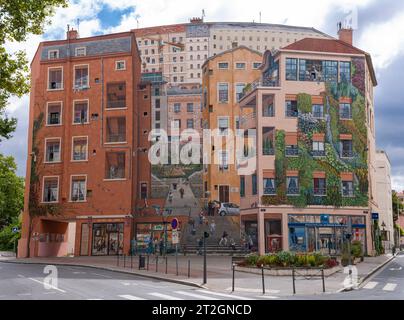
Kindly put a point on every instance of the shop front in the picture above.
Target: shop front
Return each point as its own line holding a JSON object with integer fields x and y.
{"x": 107, "y": 239}
{"x": 324, "y": 233}
{"x": 149, "y": 236}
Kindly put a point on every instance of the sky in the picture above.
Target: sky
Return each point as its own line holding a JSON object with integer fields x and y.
{"x": 380, "y": 31}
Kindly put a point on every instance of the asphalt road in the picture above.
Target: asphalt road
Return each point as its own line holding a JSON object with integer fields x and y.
{"x": 29, "y": 282}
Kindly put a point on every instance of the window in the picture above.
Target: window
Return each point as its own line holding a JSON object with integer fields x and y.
{"x": 55, "y": 78}
{"x": 330, "y": 69}
{"x": 345, "y": 71}
{"x": 319, "y": 186}
{"x": 54, "y": 113}
{"x": 345, "y": 111}
{"x": 190, "y": 107}
{"x": 78, "y": 189}
{"x": 291, "y": 108}
{"x": 346, "y": 149}
{"x": 223, "y": 65}
{"x": 268, "y": 138}
{"x": 256, "y": 65}
{"x": 223, "y": 125}
{"x": 347, "y": 189}
{"x": 190, "y": 123}
{"x": 291, "y": 150}
{"x": 115, "y": 165}
{"x": 318, "y": 149}
{"x": 318, "y": 110}
{"x": 291, "y": 69}
{"x": 80, "y": 112}
{"x": 242, "y": 186}
{"x": 79, "y": 150}
{"x": 120, "y": 65}
{"x": 52, "y": 150}
{"x": 174, "y": 69}
{"x": 50, "y": 189}
{"x": 268, "y": 109}
{"x": 292, "y": 185}
{"x": 116, "y": 95}
{"x": 223, "y": 91}
{"x": 239, "y": 91}
{"x": 310, "y": 70}
{"x": 53, "y": 54}
{"x": 175, "y": 79}
{"x": 223, "y": 160}
{"x": 237, "y": 122}
{"x": 240, "y": 65}
{"x": 192, "y": 75}
{"x": 254, "y": 184}
{"x": 269, "y": 186}
{"x": 177, "y": 107}
{"x": 80, "y": 52}
{"x": 143, "y": 190}
{"x": 80, "y": 77}
{"x": 116, "y": 129}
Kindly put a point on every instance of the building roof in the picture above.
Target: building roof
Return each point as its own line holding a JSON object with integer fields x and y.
{"x": 231, "y": 50}
{"x": 330, "y": 46}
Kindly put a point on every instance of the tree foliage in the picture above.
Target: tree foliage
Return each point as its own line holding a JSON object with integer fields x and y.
{"x": 11, "y": 191}
{"x": 18, "y": 19}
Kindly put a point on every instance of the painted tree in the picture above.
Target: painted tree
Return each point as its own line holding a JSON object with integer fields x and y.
{"x": 18, "y": 19}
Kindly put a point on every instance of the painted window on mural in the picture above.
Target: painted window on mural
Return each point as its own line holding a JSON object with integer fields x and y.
{"x": 319, "y": 186}
{"x": 115, "y": 165}
{"x": 269, "y": 186}
{"x": 78, "y": 191}
{"x": 50, "y": 189}
{"x": 291, "y": 108}
{"x": 291, "y": 69}
{"x": 345, "y": 71}
{"x": 292, "y": 184}
{"x": 345, "y": 111}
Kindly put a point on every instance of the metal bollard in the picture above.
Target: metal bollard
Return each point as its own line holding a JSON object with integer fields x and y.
{"x": 263, "y": 279}
{"x": 234, "y": 270}
{"x": 166, "y": 264}
{"x": 131, "y": 261}
{"x": 189, "y": 268}
{"x": 157, "y": 263}
{"x": 117, "y": 259}
{"x": 322, "y": 275}
{"x": 147, "y": 262}
{"x": 124, "y": 260}
{"x": 293, "y": 277}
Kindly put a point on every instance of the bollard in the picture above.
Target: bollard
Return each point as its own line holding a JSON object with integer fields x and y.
{"x": 124, "y": 260}
{"x": 147, "y": 263}
{"x": 234, "y": 270}
{"x": 263, "y": 279}
{"x": 157, "y": 263}
{"x": 131, "y": 261}
{"x": 293, "y": 277}
{"x": 322, "y": 275}
{"x": 117, "y": 259}
{"x": 166, "y": 264}
{"x": 189, "y": 268}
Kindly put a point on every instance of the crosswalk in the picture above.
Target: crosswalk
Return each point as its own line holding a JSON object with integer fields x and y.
{"x": 384, "y": 286}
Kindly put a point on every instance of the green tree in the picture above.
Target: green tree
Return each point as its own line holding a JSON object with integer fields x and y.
{"x": 11, "y": 191}
{"x": 18, "y": 19}
{"x": 398, "y": 206}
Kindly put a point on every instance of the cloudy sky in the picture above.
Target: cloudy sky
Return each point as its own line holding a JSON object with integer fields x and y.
{"x": 380, "y": 32}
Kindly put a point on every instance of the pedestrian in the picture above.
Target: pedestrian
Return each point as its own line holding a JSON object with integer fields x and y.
{"x": 161, "y": 244}
{"x": 232, "y": 244}
{"x": 156, "y": 243}
{"x": 182, "y": 191}
{"x": 212, "y": 227}
{"x": 134, "y": 246}
{"x": 150, "y": 246}
{"x": 205, "y": 221}
{"x": 201, "y": 217}
{"x": 250, "y": 242}
{"x": 223, "y": 239}
{"x": 200, "y": 245}
{"x": 170, "y": 197}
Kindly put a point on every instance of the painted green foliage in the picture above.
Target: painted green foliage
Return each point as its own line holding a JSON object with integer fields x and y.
{"x": 332, "y": 164}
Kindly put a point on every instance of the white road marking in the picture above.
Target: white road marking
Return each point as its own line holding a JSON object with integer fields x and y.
{"x": 49, "y": 285}
{"x": 390, "y": 286}
{"x": 24, "y": 294}
{"x": 370, "y": 285}
{"x": 268, "y": 297}
{"x": 130, "y": 297}
{"x": 225, "y": 295}
{"x": 101, "y": 275}
{"x": 79, "y": 272}
{"x": 20, "y": 275}
{"x": 126, "y": 283}
{"x": 164, "y": 296}
{"x": 95, "y": 299}
{"x": 395, "y": 269}
{"x": 252, "y": 290}
{"x": 194, "y": 295}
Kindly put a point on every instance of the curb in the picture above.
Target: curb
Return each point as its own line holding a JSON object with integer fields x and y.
{"x": 370, "y": 273}
{"x": 155, "y": 277}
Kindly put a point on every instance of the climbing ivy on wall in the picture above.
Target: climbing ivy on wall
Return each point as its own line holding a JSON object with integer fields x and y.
{"x": 332, "y": 164}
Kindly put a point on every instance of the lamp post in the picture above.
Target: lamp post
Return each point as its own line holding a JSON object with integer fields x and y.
{"x": 384, "y": 238}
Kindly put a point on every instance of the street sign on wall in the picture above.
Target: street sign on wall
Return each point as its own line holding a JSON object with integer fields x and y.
{"x": 375, "y": 216}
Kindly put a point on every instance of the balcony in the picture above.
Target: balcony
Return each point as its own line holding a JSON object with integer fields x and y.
{"x": 318, "y": 153}
{"x": 293, "y": 191}
{"x": 258, "y": 83}
{"x": 269, "y": 191}
{"x": 291, "y": 152}
{"x": 292, "y": 113}
{"x": 320, "y": 191}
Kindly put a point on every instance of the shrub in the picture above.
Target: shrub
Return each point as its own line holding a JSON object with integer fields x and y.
{"x": 356, "y": 249}
{"x": 330, "y": 263}
{"x": 284, "y": 258}
{"x": 319, "y": 259}
{"x": 252, "y": 259}
{"x": 311, "y": 260}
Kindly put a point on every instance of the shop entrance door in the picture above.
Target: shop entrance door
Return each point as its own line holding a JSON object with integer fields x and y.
{"x": 224, "y": 193}
{"x": 113, "y": 243}
{"x": 325, "y": 240}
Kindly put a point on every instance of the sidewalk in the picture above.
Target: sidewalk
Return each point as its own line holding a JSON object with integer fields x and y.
{"x": 219, "y": 273}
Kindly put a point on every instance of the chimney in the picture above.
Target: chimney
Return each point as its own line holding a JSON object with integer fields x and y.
{"x": 345, "y": 34}
{"x": 72, "y": 34}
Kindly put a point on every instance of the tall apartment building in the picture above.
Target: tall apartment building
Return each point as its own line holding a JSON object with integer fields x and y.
{"x": 225, "y": 75}
{"x": 88, "y": 174}
{"x": 314, "y": 118}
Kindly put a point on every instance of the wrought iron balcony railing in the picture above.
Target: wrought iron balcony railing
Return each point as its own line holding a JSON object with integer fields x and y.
{"x": 347, "y": 193}
{"x": 318, "y": 153}
{"x": 292, "y": 113}
{"x": 293, "y": 191}
{"x": 347, "y": 154}
{"x": 345, "y": 114}
{"x": 269, "y": 191}
{"x": 268, "y": 151}
{"x": 291, "y": 152}
{"x": 320, "y": 191}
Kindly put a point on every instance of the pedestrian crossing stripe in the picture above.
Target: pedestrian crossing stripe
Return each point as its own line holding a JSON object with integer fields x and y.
{"x": 164, "y": 296}
{"x": 130, "y": 297}
{"x": 370, "y": 285}
{"x": 224, "y": 295}
{"x": 390, "y": 287}
{"x": 194, "y": 295}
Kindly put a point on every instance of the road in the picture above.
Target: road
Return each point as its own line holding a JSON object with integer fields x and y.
{"x": 27, "y": 282}
{"x": 386, "y": 284}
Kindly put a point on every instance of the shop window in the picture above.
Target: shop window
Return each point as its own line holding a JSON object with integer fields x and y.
{"x": 54, "y": 114}
{"x": 297, "y": 239}
{"x": 55, "y": 78}
{"x": 116, "y": 129}
{"x": 116, "y": 95}
{"x": 50, "y": 189}
{"x": 80, "y": 110}
{"x": 107, "y": 239}
{"x": 52, "y": 147}
{"x": 78, "y": 189}
{"x": 79, "y": 149}
{"x": 115, "y": 165}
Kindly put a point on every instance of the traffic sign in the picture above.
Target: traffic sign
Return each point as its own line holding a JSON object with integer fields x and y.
{"x": 375, "y": 216}
{"x": 174, "y": 237}
{"x": 174, "y": 223}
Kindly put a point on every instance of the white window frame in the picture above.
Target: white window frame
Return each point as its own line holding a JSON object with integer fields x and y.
{"x": 119, "y": 61}
{"x": 235, "y": 89}
{"x": 245, "y": 65}
{"x": 254, "y": 68}
{"x": 62, "y": 85}
{"x": 218, "y": 65}
{"x": 88, "y": 111}
{"x": 221, "y": 164}
{"x": 74, "y": 76}
{"x": 43, "y": 189}
{"x": 60, "y": 149}
{"x": 71, "y": 186}
{"x": 228, "y": 125}
{"x": 61, "y": 113}
{"x": 53, "y": 50}
{"x": 72, "y": 153}
{"x": 228, "y": 93}
{"x": 80, "y": 48}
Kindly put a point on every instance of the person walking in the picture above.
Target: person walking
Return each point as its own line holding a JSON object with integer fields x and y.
{"x": 201, "y": 217}
{"x": 170, "y": 197}
{"x": 232, "y": 244}
{"x": 212, "y": 227}
{"x": 223, "y": 239}
{"x": 182, "y": 191}
{"x": 161, "y": 246}
{"x": 200, "y": 245}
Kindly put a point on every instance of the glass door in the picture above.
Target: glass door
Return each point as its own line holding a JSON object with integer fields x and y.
{"x": 113, "y": 243}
